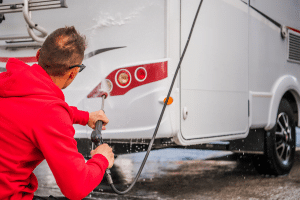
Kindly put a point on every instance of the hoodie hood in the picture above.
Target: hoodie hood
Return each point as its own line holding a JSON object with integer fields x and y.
{"x": 21, "y": 80}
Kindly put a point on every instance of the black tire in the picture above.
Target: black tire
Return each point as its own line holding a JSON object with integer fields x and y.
{"x": 279, "y": 144}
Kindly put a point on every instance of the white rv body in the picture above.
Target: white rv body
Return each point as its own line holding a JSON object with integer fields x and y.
{"x": 233, "y": 76}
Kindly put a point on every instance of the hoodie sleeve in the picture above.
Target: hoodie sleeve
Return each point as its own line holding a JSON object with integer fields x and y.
{"x": 79, "y": 116}
{"x": 54, "y": 136}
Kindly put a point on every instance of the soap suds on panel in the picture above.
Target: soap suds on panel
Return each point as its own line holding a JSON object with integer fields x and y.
{"x": 107, "y": 19}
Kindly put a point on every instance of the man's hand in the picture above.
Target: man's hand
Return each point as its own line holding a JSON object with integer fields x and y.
{"x": 95, "y": 116}
{"x": 106, "y": 151}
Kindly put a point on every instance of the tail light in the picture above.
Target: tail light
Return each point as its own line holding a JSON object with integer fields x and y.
{"x": 109, "y": 85}
{"x": 124, "y": 79}
{"x": 140, "y": 74}
{"x": 98, "y": 92}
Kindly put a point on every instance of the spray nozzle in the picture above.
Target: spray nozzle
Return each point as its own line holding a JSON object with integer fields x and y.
{"x": 103, "y": 93}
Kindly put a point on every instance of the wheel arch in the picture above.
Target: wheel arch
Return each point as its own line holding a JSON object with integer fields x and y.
{"x": 286, "y": 87}
{"x": 294, "y": 100}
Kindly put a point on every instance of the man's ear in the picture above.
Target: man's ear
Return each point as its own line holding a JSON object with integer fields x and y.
{"x": 37, "y": 56}
{"x": 73, "y": 73}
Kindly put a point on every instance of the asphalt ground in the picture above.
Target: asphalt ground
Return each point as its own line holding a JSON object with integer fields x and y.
{"x": 188, "y": 174}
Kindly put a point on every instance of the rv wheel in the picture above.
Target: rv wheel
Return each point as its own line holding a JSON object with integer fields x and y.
{"x": 280, "y": 144}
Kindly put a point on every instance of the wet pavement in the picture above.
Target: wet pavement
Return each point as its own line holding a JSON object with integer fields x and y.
{"x": 188, "y": 174}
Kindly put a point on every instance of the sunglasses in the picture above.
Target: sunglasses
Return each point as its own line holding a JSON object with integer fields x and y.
{"x": 82, "y": 66}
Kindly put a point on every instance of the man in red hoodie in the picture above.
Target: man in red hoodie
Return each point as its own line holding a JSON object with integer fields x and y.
{"x": 36, "y": 123}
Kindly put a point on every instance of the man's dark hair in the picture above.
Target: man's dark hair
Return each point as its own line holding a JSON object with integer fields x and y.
{"x": 61, "y": 49}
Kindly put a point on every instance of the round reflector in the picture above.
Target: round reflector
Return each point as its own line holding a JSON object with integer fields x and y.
{"x": 123, "y": 78}
{"x": 140, "y": 74}
{"x": 170, "y": 101}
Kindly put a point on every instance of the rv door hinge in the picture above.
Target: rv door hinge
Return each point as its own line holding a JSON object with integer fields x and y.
{"x": 248, "y": 108}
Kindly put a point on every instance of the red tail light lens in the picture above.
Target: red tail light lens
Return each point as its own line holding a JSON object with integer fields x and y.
{"x": 140, "y": 74}
{"x": 123, "y": 78}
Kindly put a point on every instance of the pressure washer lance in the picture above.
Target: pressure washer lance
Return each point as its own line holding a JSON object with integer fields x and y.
{"x": 97, "y": 135}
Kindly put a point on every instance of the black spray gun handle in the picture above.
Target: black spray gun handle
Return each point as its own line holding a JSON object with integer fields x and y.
{"x": 96, "y": 136}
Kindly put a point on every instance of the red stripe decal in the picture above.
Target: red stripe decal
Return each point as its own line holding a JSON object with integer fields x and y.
{"x": 24, "y": 59}
{"x": 155, "y": 72}
{"x": 293, "y": 29}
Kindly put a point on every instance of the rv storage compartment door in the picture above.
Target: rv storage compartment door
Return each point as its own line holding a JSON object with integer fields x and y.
{"x": 214, "y": 72}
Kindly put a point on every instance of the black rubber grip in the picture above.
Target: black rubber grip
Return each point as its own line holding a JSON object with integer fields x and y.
{"x": 96, "y": 134}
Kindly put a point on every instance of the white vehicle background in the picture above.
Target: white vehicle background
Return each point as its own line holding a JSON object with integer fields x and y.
{"x": 237, "y": 68}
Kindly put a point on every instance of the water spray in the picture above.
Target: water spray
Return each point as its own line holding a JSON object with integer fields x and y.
{"x": 97, "y": 137}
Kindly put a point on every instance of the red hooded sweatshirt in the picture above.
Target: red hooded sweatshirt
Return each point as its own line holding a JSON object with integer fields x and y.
{"x": 36, "y": 124}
